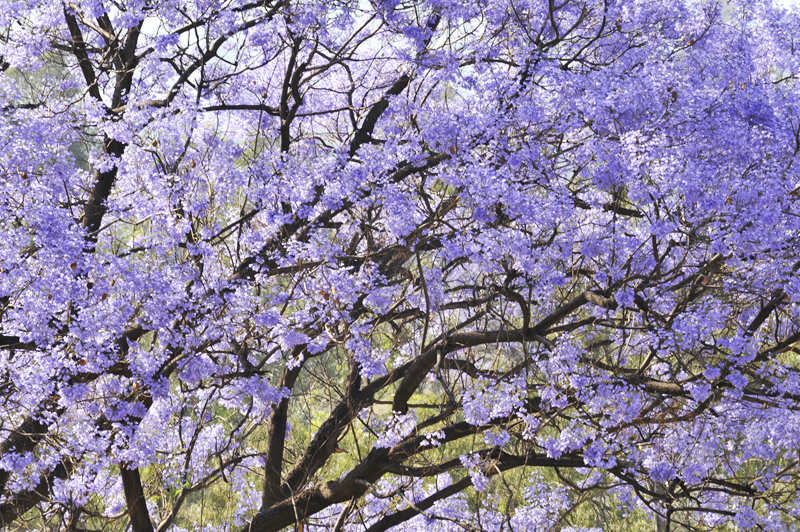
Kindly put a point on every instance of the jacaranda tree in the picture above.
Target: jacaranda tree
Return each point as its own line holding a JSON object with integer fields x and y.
{"x": 364, "y": 264}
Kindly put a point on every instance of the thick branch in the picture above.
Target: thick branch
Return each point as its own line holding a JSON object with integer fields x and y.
{"x": 22, "y": 440}
{"x": 79, "y": 49}
{"x": 364, "y": 133}
{"x": 20, "y": 503}
{"x": 135, "y": 500}
{"x": 276, "y": 439}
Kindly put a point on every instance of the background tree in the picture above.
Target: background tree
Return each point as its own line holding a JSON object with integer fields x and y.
{"x": 444, "y": 264}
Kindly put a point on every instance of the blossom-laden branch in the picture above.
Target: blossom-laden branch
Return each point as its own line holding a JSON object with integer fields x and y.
{"x": 349, "y": 262}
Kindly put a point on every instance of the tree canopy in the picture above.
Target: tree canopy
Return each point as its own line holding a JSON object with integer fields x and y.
{"x": 436, "y": 265}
